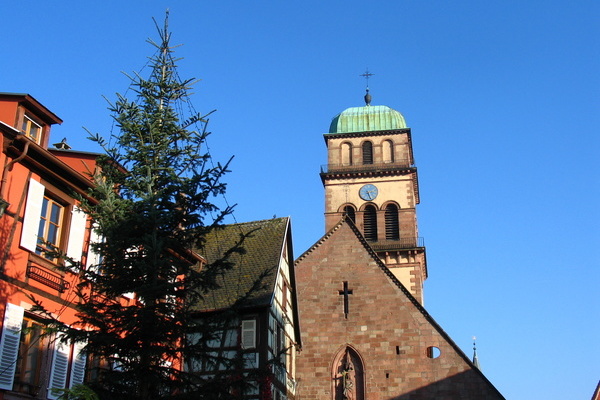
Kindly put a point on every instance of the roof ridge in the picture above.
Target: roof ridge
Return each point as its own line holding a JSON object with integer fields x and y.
{"x": 320, "y": 241}
{"x": 254, "y": 222}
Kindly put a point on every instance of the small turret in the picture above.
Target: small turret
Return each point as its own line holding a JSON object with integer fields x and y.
{"x": 475, "y": 359}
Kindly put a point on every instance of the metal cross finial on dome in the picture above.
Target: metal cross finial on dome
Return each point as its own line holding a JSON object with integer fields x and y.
{"x": 367, "y": 75}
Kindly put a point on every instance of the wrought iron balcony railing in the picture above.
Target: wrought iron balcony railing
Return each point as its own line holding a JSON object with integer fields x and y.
{"x": 54, "y": 281}
{"x": 385, "y": 166}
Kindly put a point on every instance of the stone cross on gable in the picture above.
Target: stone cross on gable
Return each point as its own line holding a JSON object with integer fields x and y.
{"x": 345, "y": 293}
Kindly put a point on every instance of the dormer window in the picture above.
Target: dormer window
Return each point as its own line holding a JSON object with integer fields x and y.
{"x": 31, "y": 129}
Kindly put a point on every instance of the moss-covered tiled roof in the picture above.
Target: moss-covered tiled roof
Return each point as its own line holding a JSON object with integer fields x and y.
{"x": 252, "y": 277}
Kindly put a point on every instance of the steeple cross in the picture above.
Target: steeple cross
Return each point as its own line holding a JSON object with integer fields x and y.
{"x": 345, "y": 293}
{"x": 367, "y": 75}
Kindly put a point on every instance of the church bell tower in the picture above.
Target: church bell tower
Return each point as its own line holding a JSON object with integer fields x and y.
{"x": 372, "y": 178}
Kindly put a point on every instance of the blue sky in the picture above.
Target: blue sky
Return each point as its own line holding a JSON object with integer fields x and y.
{"x": 503, "y": 101}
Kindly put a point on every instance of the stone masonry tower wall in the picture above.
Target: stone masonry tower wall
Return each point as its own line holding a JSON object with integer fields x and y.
{"x": 371, "y": 177}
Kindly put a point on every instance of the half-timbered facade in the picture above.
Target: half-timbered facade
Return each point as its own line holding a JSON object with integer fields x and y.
{"x": 255, "y": 310}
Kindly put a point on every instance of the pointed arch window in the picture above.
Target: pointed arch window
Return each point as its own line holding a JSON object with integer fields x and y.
{"x": 392, "y": 223}
{"x": 367, "y": 152}
{"x": 348, "y": 376}
{"x": 388, "y": 151}
{"x": 346, "y": 154}
{"x": 349, "y": 211}
{"x": 370, "y": 223}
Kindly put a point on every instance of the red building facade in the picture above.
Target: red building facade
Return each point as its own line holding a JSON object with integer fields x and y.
{"x": 38, "y": 213}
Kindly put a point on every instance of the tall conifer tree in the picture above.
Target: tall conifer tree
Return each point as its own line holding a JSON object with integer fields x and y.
{"x": 153, "y": 203}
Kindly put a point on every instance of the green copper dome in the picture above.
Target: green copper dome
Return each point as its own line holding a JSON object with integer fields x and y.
{"x": 367, "y": 118}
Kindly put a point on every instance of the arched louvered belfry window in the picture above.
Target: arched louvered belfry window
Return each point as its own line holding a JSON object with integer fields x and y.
{"x": 388, "y": 151}
{"x": 370, "y": 223}
{"x": 367, "y": 152}
{"x": 349, "y": 211}
{"x": 346, "y": 154}
{"x": 392, "y": 223}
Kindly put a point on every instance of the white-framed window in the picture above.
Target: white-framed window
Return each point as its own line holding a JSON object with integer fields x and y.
{"x": 248, "y": 334}
{"x": 31, "y": 129}
{"x": 50, "y": 227}
{"x": 45, "y": 220}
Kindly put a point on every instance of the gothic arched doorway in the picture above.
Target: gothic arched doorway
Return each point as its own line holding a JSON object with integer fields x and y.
{"x": 348, "y": 375}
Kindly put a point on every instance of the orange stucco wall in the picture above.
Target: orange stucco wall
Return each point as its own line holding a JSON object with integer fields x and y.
{"x": 8, "y": 112}
{"x": 16, "y": 285}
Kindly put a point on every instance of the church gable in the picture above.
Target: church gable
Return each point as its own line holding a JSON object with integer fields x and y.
{"x": 365, "y": 336}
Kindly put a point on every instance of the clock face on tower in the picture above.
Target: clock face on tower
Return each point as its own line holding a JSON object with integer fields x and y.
{"x": 368, "y": 192}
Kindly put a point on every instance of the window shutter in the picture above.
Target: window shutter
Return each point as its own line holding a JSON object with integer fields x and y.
{"x": 9, "y": 344}
{"x": 78, "y": 365}
{"x": 33, "y": 210}
{"x": 76, "y": 233}
{"x": 93, "y": 258}
{"x": 248, "y": 334}
{"x": 60, "y": 365}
